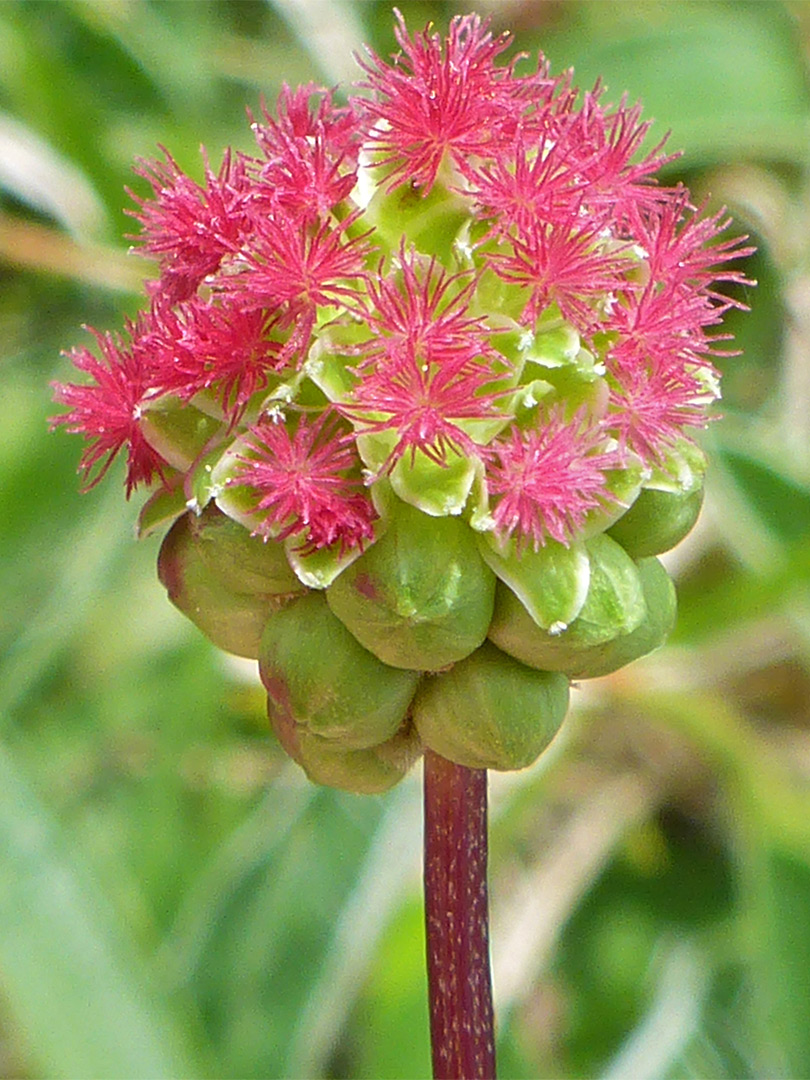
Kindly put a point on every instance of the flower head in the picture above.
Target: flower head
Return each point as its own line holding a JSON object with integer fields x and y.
{"x": 306, "y": 483}
{"x": 440, "y": 98}
{"x": 547, "y": 479}
{"x": 310, "y": 149}
{"x": 108, "y": 411}
{"x": 190, "y": 227}
{"x": 204, "y": 344}
{"x": 550, "y": 314}
{"x": 445, "y": 333}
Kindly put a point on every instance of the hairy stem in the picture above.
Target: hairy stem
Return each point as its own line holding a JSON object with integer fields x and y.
{"x": 457, "y": 921}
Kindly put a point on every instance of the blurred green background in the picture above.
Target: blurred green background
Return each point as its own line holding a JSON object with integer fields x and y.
{"x": 175, "y": 899}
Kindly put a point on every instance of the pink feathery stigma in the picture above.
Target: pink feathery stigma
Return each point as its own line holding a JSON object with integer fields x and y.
{"x": 651, "y": 409}
{"x": 532, "y": 185}
{"x": 107, "y": 411}
{"x": 422, "y": 310}
{"x": 547, "y": 479}
{"x": 606, "y": 147}
{"x": 423, "y": 405}
{"x": 189, "y": 227}
{"x": 294, "y": 268}
{"x": 428, "y": 367}
{"x": 311, "y": 149}
{"x": 307, "y": 482}
{"x": 213, "y": 344}
{"x": 562, "y": 263}
{"x": 439, "y": 97}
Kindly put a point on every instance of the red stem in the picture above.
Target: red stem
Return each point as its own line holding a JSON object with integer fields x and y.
{"x": 456, "y": 915}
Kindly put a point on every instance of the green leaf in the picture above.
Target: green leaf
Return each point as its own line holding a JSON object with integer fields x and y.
{"x": 70, "y": 978}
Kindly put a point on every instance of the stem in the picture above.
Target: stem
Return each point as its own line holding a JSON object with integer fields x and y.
{"x": 457, "y": 921}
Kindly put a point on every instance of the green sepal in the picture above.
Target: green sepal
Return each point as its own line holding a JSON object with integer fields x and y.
{"x": 161, "y": 509}
{"x": 517, "y": 635}
{"x": 615, "y": 607}
{"x": 241, "y": 562}
{"x": 623, "y": 486}
{"x": 318, "y": 569}
{"x": 552, "y": 348}
{"x": 232, "y": 621}
{"x": 577, "y": 392}
{"x": 421, "y": 597}
{"x": 238, "y": 501}
{"x": 199, "y": 486}
{"x": 551, "y": 583}
{"x": 490, "y": 712}
{"x": 436, "y": 489}
{"x": 319, "y": 679}
{"x": 682, "y": 470}
{"x": 362, "y": 772}
{"x": 327, "y": 364}
{"x": 661, "y": 602}
{"x": 177, "y": 431}
{"x": 657, "y": 521}
{"x": 431, "y": 222}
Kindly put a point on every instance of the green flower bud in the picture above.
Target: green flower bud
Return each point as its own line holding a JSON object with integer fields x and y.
{"x": 319, "y": 679}
{"x": 661, "y": 602}
{"x": 241, "y": 562}
{"x": 363, "y": 772}
{"x": 231, "y": 620}
{"x": 515, "y": 632}
{"x": 552, "y": 583}
{"x": 614, "y": 606}
{"x": 177, "y": 430}
{"x": 420, "y": 597}
{"x": 657, "y": 521}
{"x": 489, "y": 711}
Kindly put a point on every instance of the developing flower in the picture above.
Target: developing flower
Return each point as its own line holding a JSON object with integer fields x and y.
{"x": 433, "y": 360}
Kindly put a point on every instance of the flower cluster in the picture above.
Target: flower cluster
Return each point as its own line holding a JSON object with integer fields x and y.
{"x": 461, "y": 295}
{"x": 527, "y": 213}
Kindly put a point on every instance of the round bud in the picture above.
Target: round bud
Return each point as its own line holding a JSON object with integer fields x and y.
{"x": 613, "y": 606}
{"x": 421, "y": 596}
{"x": 320, "y": 679}
{"x": 657, "y": 521}
{"x": 241, "y": 562}
{"x": 517, "y": 634}
{"x": 362, "y": 772}
{"x": 489, "y": 711}
{"x": 231, "y": 620}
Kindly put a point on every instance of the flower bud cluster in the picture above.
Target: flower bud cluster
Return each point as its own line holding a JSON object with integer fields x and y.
{"x": 416, "y": 391}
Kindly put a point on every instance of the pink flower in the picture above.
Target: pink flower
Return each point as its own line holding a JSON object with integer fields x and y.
{"x": 307, "y": 483}
{"x": 423, "y": 311}
{"x": 650, "y": 410}
{"x": 203, "y": 344}
{"x": 293, "y": 268}
{"x": 548, "y": 478}
{"x": 189, "y": 227}
{"x": 607, "y": 147}
{"x": 311, "y": 153}
{"x": 428, "y": 365}
{"x": 441, "y": 99}
{"x": 563, "y": 263}
{"x": 108, "y": 410}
